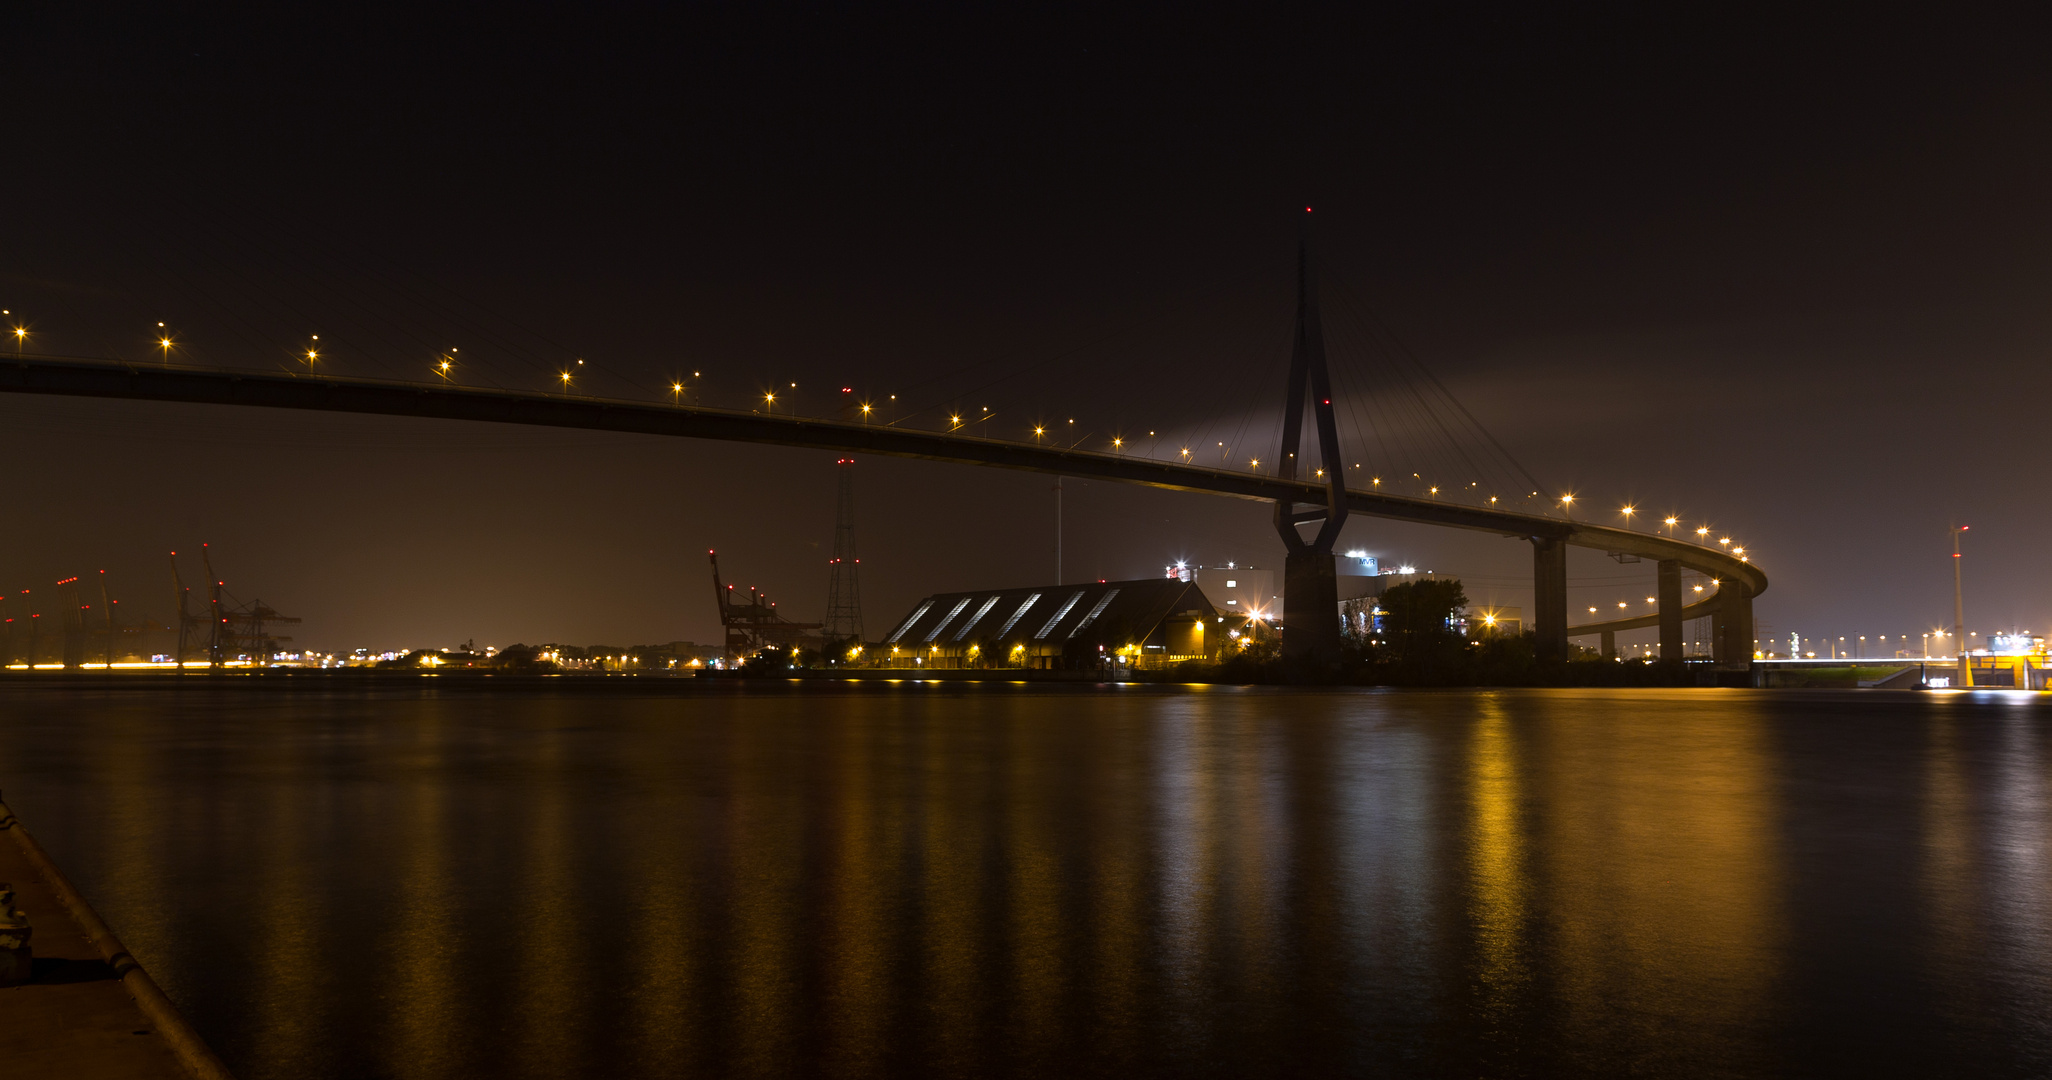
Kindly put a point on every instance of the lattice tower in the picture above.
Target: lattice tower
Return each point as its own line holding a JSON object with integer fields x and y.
{"x": 844, "y": 587}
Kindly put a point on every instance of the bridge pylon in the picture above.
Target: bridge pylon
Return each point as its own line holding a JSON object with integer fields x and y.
{"x": 1311, "y": 630}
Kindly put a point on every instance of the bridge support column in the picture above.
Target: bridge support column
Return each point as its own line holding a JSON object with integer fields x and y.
{"x": 1670, "y": 597}
{"x": 1610, "y": 644}
{"x": 1549, "y": 598}
{"x": 1735, "y": 622}
{"x": 1311, "y": 629}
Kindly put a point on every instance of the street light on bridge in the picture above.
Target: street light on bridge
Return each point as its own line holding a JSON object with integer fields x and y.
{"x": 1567, "y": 505}
{"x": 1628, "y": 511}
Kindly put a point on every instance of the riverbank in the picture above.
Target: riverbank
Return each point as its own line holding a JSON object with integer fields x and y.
{"x": 88, "y": 1009}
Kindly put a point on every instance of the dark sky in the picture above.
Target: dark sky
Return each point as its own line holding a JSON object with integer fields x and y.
{"x": 1786, "y": 277}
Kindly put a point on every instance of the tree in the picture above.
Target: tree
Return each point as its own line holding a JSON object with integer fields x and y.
{"x": 1421, "y": 613}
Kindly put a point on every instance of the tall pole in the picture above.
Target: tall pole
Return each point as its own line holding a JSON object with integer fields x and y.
{"x": 1058, "y": 530}
{"x": 1958, "y": 607}
{"x": 107, "y": 606}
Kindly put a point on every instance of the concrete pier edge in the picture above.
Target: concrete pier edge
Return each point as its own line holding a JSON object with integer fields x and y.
{"x": 192, "y": 1050}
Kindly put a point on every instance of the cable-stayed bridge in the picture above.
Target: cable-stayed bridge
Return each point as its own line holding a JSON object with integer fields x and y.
{"x": 1739, "y": 581}
{"x": 1397, "y": 416}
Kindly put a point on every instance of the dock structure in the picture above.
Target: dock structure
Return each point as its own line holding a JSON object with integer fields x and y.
{"x": 88, "y": 1010}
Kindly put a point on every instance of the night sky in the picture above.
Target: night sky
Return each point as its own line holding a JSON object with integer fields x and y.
{"x": 1787, "y": 278}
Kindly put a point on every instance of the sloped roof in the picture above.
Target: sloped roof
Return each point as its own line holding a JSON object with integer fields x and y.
{"x": 1047, "y": 614}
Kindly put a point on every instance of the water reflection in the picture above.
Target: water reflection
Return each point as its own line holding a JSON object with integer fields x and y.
{"x": 1496, "y": 852}
{"x": 2019, "y": 871}
{"x": 425, "y": 931}
{"x": 287, "y": 1013}
{"x": 867, "y": 834}
{"x": 1185, "y": 780}
{"x": 955, "y": 875}
{"x": 1951, "y": 877}
{"x": 664, "y": 966}
{"x": 1664, "y": 881}
{"x": 940, "y": 881}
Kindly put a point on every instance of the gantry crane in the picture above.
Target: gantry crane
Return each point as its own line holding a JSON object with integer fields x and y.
{"x": 754, "y": 625}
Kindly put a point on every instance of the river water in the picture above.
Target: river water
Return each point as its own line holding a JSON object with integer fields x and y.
{"x": 908, "y": 880}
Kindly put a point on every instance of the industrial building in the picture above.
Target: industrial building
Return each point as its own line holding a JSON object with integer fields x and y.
{"x": 1152, "y": 622}
{"x": 1241, "y": 590}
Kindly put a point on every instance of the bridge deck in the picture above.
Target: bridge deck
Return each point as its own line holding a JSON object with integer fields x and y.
{"x": 114, "y": 379}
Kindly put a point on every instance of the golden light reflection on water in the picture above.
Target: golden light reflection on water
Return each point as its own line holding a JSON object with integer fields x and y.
{"x": 667, "y": 971}
{"x": 1033, "y": 894}
{"x": 1496, "y": 852}
{"x": 1221, "y": 884}
{"x": 867, "y": 855}
{"x": 554, "y": 963}
{"x": 1665, "y": 877}
{"x": 765, "y": 839}
{"x": 136, "y": 844}
{"x": 288, "y": 945}
{"x": 954, "y": 841}
{"x": 1117, "y": 907}
{"x": 424, "y": 1010}
{"x": 1256, "y": 843}
{"x": 1185, "y": 785}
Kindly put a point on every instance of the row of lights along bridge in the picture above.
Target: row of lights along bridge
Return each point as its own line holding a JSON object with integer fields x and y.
{"x": 865, "y": 411}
